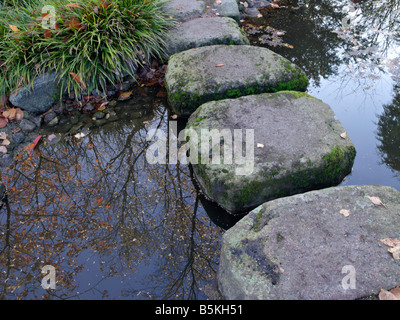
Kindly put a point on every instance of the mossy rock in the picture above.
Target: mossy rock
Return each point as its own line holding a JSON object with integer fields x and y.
{"x": 202, "y": 32}
{"x": 302, "y": 248}
{"x": 297, "y": 147}
{"x": 218, "y": 72}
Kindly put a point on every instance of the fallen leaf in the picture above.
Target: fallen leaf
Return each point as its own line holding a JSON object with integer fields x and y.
{"x": 3, "y": 135}
{"x": 3, "y": 121}
{"x": 5, "y": 142}
{"x": 161, "y": 94}
{"x": 218, "y": 1}
{"x": 78, "y": 79}
{"x": 260, "y": 145}
{"x": 219, "y": 65}
{"x": 103, "y": 106}
{"x": 32, "y": 146}
{"x": 345, "y": 212}
{"x": 174, "y": 116}
{"x": 10, "y": 113}
{"x": 395, "y": 251}
{"x": 343, "y": 135}
{"x": 259, "y": 15}
{"x": 13, "y": 28}
{"x": 47, "y": 34}
{"x": 125, "y": 95}
{"x": 393, "y": 294}
{"x": 391, "y": 242}
{"x": 73, "y": 5}
{"x": 394, "y": 245}
{"x": 377, "y": 201}
{"x": 3, "y": 149}
{"x": 74, "y": 23}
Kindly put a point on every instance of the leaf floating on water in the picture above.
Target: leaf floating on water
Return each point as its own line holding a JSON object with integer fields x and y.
{"x": 125, "y": 95}
{"x": 345, "y": 212}
{"x": 32, "y": 146}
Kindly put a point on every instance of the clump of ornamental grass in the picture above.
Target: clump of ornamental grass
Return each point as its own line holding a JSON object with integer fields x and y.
{"x": 90, "y": 44}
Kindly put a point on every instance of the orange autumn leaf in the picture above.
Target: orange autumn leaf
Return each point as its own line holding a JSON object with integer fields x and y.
{"x": 13, "y": 28}
{"x": 74, "y": 23}
{"x": 73, "y": 5}
{"x": 3, "y": 121}
{"x": 47, "y": 34}
{"x": 34, "y": 143}
{"x": 78, "y": 79}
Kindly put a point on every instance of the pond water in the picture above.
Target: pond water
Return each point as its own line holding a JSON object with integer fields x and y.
{"x": 116, "y": 227}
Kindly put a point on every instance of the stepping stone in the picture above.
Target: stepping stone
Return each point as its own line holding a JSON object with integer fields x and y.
{"x": 301, "y": 247}
{"x": 291, "y": 144}
{"x": 202, "y": 32}
{"x": 209, "y": 73}
{"x": 183, "y": 10}
{"x": 228, "y": 8}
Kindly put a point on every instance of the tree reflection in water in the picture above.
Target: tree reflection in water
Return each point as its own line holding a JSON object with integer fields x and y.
{"x": 388, "y": 133}
{"x": 97, "y": 200}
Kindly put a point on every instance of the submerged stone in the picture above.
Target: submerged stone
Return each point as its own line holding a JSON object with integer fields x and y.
{"x": 280, "y": 144}
{"x": 204, "y": 32}
{"x": 301, "y": 247}
{"x": 209, "y": 73}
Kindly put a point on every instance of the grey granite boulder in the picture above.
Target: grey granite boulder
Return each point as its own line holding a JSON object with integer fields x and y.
{"x": 209, "y": 73}
{"x": 39, "y": 96}
{"x": 280, "y": 144}
{"x": 302, "y": 247}
{"x": 202, "y": 32}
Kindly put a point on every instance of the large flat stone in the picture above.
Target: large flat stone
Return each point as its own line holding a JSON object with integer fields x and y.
{"x": 39, "y": 96}
{"x": 183, "y": 10}
{"x": 209, "y": 73}
{"x": 297, "y": 147}
{"x": 202, "y": 32}
{"x": 301, "y": 247}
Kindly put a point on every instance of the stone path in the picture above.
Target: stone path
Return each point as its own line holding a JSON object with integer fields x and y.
{"x": 295, "y": 245}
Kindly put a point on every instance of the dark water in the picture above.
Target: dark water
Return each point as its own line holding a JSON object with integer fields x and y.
{"x": 116, "y": 227}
